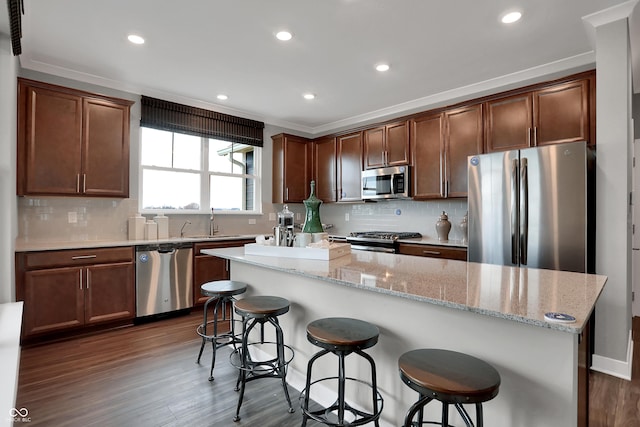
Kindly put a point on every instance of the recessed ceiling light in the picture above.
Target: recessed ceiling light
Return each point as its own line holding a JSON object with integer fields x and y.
{"x": 382, "y": 67}
{"x": 511, "y": 17}
{"x": 284, "y": 35}
{"x": 222, "y": 97}
{"x": 135, "y": 39}
{"x": 309, "y": 96}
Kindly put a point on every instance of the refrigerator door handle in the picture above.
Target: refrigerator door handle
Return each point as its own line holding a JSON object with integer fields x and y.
{"x": 524, "y": 210}
{"x": 514, "y": 211}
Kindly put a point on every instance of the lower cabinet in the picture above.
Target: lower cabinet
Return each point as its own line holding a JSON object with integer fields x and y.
{"x": 207, "y": 268}
{"x": 70, "y": 289}
{"x": 433, "y": 251}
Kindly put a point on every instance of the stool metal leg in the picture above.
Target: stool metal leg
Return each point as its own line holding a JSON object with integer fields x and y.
{"x": 445, "y": 414}
{"x": 204, "y": 327}
{"x": 374, "y": 383}
{"x": 282, "y": 367}
{"x": 242, "y": 373}
{"x": 305, "y": 406}
{"x": 414, "y": 409}
{"x": 465, "y": 416}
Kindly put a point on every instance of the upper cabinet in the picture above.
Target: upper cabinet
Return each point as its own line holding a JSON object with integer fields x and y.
{"x": 440, "y": 144}
{"x": 71, "y": 143}
{"x": 549, "y": 115}
{"x": 349, "y": 167}
{"x": 324, "y": 168}
{"x": 387, "y": 145}
{"x": 292, "y": 168}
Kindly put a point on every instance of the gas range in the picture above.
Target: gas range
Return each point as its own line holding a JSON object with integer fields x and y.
{"x": 379, "y": 241}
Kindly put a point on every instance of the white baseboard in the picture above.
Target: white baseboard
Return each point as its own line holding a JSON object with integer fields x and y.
{"x": 614, "y": 367}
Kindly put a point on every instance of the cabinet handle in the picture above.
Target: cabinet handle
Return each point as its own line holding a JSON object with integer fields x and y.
{"x": 77, "y": 183}
{"x": 431, "y": 252}
{"x": 88, "y": 278}
{"x": 83, "y": 257}
{"x": 84, "y": 182}
{"x": 286, "y": 194}
{"x": 535, "y": 136}
{"x": 226, "y": 265}
{"x": 529, "y": 137}
{"x": 80, "y": 281}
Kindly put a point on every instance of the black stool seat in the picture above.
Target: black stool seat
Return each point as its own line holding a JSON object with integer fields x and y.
{"x": 222, "y": 292}
{"x": 450, "y": 377}
{"x": 258, "y": 310}
{"x": 342, "y": 336}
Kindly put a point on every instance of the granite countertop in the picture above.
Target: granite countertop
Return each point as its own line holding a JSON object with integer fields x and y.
{"x": 514, "y": 293}
{"x": 24, "y": 245}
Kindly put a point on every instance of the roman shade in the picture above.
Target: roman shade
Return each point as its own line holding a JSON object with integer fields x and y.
{"x": 173, "y": 117}
{"x": 16, "y": 10}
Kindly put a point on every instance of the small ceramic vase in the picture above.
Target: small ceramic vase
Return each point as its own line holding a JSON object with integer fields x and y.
{"x": 443, "y": 226}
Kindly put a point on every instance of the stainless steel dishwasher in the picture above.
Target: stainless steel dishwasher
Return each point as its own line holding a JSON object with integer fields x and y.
{"x": 164, "y": 278}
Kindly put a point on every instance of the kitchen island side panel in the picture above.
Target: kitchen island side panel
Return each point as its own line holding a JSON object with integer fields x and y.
{"x": 538, "y": 366}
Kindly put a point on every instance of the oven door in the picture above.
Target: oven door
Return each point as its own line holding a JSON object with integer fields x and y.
{"x": 366, "y": 245}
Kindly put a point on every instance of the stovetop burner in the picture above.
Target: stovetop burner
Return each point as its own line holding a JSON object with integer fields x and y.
{"x": 385, "y": 235}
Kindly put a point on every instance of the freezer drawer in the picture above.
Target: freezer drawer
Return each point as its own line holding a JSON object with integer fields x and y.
{"x": 164, "y": 279}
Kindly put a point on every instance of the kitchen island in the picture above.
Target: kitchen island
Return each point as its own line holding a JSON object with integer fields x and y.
{"x": 492, "y": 312}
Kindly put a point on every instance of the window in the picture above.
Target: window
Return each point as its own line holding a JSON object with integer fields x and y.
{"x": 185, "y": 173}
{"x": 192, "y": 159}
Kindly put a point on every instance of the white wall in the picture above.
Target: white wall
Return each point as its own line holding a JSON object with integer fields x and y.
{"x": 8, "y": 209}
{"x": 613, "y": 176}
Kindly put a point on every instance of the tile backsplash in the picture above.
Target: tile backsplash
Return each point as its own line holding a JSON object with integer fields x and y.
{"x": 81, "y": 219}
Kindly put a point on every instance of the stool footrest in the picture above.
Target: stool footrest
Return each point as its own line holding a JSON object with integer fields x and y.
{"x": 326, "y": 416}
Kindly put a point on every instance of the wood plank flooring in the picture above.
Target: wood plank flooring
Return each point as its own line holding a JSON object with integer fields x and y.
{"x": 146, "y": 376}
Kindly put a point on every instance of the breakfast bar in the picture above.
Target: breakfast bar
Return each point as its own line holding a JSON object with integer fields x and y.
{"x": 491, "y": 312}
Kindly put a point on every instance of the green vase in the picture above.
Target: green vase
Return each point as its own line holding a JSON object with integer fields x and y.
{"x": 312, "y": 222}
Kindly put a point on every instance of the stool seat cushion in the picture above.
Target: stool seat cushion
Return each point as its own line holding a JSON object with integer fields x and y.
{"x": 262, "y": 306}
{"x": 222, "y": 287}
{"x": 449, "y": 373}
{"x": 342, "y": 332}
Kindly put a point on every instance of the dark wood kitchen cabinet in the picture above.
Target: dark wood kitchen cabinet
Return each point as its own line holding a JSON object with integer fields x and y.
{"x": 387, "y": 145}
{"x": 74, "y": 289}
{"x": 292, "y": 168}
{"x": 207, "y": 268}
{"x": 433, "y": 251}
{"x": 324, "y": 168}
{"x": 71, "y": 143}
{"x": 349, "y": 167}
{"x": 554, "y": 114}
{"x": 440, "y": 145}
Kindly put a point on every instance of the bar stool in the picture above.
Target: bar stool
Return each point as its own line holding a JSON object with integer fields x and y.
{"x": 222, "y": 292}
{"x": 342, "y": 336}
{"x": 260, "y": 310}
{"x": 452, "y": 378}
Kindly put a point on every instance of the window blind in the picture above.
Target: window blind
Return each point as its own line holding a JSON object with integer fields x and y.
{"x": 170, "y": 116}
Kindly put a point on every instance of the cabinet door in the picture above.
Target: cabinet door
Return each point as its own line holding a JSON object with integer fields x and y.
{"x": 291, "y": 168}
{"x": 561, "y": 113}
{"x": 105, "y": 158}
{"x": 207, "y": 268}
{"x": 53, "y": 299}
{"x": 109, "y": 292}
{"x": 397, "y": 144}
{"x": 324, "y": 168}
{"x": 374, "y": 147}
{"x": 464, "y": 138}
{"x": 508, "y": 123}
{"x": 350, "y": 167}
{"x": 49, "y": 142}
{"x": 427, "y": 146}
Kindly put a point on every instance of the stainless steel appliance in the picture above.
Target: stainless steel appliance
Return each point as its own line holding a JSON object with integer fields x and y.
{"x": 379, "y": 241}
{"x": 532, "y": 207}
{"x": 385, "y": 183}
{"x": 164, "y": 278}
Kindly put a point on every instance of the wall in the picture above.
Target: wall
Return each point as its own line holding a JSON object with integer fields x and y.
{"x": 8, "y": 73}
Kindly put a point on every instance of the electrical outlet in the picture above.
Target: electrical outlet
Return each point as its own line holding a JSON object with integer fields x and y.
{"x": 252, "y": 221}
{"x": 346, "y": 216}
{"x": 72, "y": 217}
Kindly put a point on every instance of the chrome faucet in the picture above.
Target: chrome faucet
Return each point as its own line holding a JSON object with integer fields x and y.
{"x": 183, "y": 227}
{"x": 212, "y": 225}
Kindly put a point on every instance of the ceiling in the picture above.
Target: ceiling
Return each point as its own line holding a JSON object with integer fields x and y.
{"x": 439, "y": 52}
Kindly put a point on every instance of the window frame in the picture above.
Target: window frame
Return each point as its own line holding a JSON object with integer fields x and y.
{"x": 205, "y": 177}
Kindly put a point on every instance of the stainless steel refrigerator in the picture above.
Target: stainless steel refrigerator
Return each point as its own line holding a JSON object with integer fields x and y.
{"x": 533, "y": 207}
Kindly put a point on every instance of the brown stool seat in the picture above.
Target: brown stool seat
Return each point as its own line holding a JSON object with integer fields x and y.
{"x": 220, "y": 332}
{"x": 262, "y": 306}
{"x": 341, "y": 333}
{"x": 450, "y": 377}
{"x": 223, "y": 288}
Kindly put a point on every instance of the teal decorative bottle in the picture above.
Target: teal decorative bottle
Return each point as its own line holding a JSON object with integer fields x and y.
{"x": 312, "y": 222}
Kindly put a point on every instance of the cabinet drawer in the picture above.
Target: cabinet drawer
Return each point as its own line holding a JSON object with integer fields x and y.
{"x": 72, "y": 257}
{"x": 198, "y": 247}
{"x": 433, "y": 251}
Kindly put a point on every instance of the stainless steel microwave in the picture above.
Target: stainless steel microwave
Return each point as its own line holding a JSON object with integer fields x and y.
{"x": 385, "y": 183}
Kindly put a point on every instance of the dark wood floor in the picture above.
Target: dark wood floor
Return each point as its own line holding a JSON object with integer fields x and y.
{"x": 146, "y": 376}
